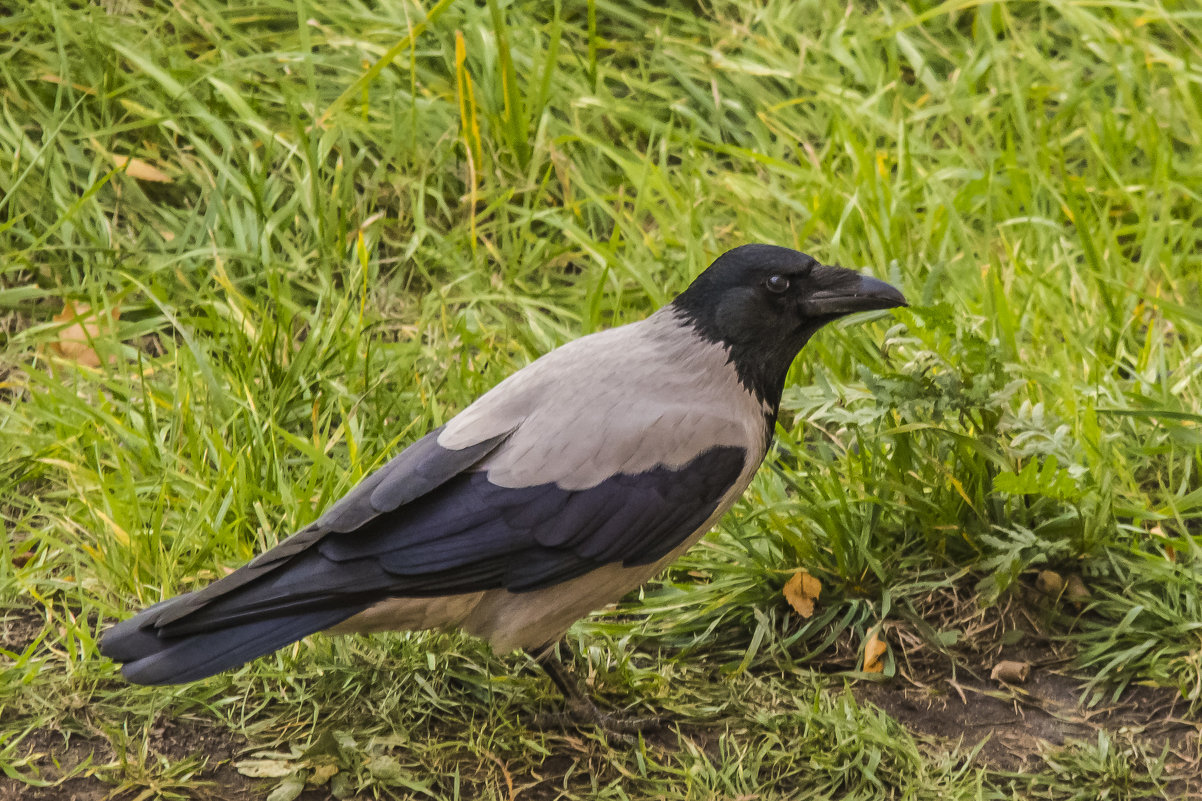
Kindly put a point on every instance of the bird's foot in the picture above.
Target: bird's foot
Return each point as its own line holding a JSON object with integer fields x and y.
{"x": 582, "y": 713}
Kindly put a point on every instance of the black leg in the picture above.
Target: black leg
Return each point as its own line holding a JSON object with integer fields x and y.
{"x": 547, "y": 659}
{"x": 580, "y": 709}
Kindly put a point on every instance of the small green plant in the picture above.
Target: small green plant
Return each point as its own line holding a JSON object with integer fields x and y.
{"x": 328, "y": 227}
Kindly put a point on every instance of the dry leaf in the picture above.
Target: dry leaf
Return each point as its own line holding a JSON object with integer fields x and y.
{"x": 801, "y": 591}
{"x": 49, "y": 78}
{"x": 265, "y": 768}
{"x": 75, "y": 341}
{"x": 1169, "y": 551}
{"x": 1011, "y": 672}
{"x": 1049, "y": 583}
{"x": 140, "y": 169}
{"x": 323, "y": 773}
{"x": 1076, "y": 591}
{"x": 874, "y": 652}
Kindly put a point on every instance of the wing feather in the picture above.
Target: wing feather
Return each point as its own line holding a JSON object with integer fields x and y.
{"x": 418, "y": 470}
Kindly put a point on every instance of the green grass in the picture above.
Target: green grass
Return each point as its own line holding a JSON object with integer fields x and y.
{"x": 375, "y": 211}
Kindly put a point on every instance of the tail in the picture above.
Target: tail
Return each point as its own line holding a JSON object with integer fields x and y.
{"x": 151, "y": 656}
{"x": 294, "y": 590}
{"x": 284, "y": 595}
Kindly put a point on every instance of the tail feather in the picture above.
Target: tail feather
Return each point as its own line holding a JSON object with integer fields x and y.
{"x": 153, "y": 659}
{"x": 245, "y": 615}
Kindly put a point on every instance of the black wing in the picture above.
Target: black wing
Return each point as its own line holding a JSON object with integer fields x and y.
{"x": 471, "y": 534}
{"x": 424, "y": 525}
{"x": 422, "y": 467}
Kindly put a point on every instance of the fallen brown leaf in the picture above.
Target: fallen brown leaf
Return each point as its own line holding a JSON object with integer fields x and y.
{"x": 50, "y": 78}
{"x": 140, "y": 169}
{"x": 1168, "y": 549}
{"x": 874, "y": 652}
{"x": 1076, "y": 591}
{"x": 323, "y": 773}
{"x": 134, "y": 167}
{"x": 265, "y": 768}
{"x": 1011, "y": 672}
{"x": 1049, "y": 583}
{"x": 801, "y": 591}
{"x": 75, "y": 341}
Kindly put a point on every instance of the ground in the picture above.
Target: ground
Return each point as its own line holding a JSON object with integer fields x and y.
{"x": 1033, "y": 737}
{"x": 250, "y": 249}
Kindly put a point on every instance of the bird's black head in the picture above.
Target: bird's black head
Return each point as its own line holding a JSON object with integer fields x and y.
{"x": 765, "y": 302}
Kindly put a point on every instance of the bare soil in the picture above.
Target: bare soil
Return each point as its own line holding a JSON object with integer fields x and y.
{"x": 58, "y": 754}
{"x": 1014, "y": 727}
{"x": 950, "y": 698}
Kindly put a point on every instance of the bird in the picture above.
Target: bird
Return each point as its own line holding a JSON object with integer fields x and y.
{"x": 571, "y": 482}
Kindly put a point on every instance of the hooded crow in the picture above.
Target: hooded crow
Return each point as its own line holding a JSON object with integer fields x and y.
{"x": 567, "y": 485}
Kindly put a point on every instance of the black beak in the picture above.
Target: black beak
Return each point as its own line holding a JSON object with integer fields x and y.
{"x": 866, "y": 294}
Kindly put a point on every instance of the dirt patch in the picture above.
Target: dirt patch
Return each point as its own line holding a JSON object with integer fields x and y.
{"x": 946, "y": 695}
{"x": 20, "y": 627}
{"x": 1016, "y": 726}
{"x": 187, "y": 757}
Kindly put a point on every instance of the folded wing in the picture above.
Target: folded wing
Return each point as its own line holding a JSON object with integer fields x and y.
{"x": 429, "y": 523}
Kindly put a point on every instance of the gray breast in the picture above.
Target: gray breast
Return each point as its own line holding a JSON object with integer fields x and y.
{"x": 621, "y": 401}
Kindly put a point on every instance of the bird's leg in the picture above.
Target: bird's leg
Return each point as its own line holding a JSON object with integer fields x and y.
{"x": 579, "y": 709}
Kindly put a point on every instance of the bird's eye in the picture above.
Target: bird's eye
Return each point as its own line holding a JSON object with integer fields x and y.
{"x": 777, "y": 284}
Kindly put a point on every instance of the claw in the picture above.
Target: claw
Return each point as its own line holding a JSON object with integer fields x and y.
{"x": 580, "y": 712}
